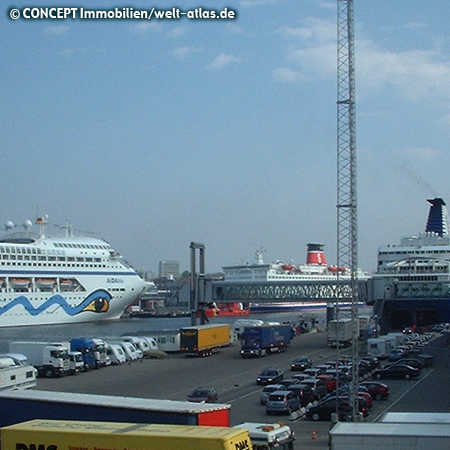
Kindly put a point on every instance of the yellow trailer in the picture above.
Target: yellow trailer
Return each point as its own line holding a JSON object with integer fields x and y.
{"x": 81, "y": 435}
{"x": 202, "y": 340}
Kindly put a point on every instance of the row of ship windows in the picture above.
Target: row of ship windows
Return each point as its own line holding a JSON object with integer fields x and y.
{"x": 39, "y": 264}
{"x": 39, "y": 251}
{"x": 419, "y": 278}
{"x": 48, "y": 258}
{"x": 422, "y": 252}
{"x": 71, "y": 245}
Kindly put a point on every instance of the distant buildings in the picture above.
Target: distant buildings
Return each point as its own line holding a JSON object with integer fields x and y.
{"x": 169, "y": 270}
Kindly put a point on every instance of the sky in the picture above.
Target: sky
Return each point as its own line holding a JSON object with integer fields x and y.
{"x": 158, "y": 133}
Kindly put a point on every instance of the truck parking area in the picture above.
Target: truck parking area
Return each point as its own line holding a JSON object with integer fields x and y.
{"x": 234, "y": 378}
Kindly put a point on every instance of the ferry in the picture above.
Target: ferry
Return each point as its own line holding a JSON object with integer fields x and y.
{"x": 315, "y": 269}
{"x": 60, "y": 280}
{"x": 412, "y": 284}
{"x": 278, "y": 273}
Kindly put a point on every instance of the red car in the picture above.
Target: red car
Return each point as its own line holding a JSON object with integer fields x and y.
{"x": 378, "y": 391}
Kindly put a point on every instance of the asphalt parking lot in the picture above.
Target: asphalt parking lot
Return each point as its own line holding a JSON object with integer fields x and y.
{"x": 235, "y": 380}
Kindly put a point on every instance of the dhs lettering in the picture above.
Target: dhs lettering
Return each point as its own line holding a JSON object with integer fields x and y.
{"x": 20, "y": 446}
{"x": 243, "y": 445}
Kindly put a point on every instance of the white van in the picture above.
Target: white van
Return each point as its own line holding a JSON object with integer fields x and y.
{"x": 115, "y": 353}
{"x": 76, "y": 362}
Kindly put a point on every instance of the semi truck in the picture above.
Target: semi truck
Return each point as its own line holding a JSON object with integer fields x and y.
{"x": 373, "y": 436}
{"x": 87, "y": 347}
{"x": 76, "y": 362}
{"x": 51, "y": 359}
{"x": 65, "y": 435}
{"x": 36, "y": 404}
{"x": 340, "y": 332}
{"x": 265, "y": 339}
{"x": 203, "y": 340}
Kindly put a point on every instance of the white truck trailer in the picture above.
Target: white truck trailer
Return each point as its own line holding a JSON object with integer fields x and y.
{"x": 340, "y": 332}
{"x": 50, "y": 358}
{"x": 376, "y": 436}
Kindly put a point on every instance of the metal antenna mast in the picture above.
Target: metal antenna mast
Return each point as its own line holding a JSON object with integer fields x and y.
{"x": 347, "y": 249}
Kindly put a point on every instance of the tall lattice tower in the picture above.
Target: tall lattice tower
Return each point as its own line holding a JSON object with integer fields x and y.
{"x": 347, "y": 248}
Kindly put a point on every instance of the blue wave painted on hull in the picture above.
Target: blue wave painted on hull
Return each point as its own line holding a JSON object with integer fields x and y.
{"x": 97, "y": 301}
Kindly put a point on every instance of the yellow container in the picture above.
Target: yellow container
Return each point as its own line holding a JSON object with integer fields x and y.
{"x": 78, "y": 435}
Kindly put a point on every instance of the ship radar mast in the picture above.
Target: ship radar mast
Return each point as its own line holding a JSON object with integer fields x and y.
{"x": 259, "y": 256}
{"x": 42, "y": 221}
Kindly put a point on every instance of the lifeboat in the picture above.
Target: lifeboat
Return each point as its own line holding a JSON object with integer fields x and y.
{"x": 287, "y": 267}
{"x": 66, "y": 284}
{"x": 19, "y": 283}
{"x": 335, "y": 269}
{"x": 45, "y": 282}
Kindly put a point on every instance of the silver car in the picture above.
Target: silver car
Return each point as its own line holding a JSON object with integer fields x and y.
{"x": 282, "y": 402}
{"x": 268, "y": 390}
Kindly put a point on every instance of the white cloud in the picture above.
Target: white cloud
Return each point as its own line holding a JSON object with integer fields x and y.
{"x": 57, "y": 30}
{"x": 144, "y": 27}
{"x": 185, "y": 52}
{"x": 223, "y": 60}
{"x": 421, "y": 153}
{"x": 414, "y": 74}
{"x": 72, "y": 51}
{"x": 177, "y": 31}
{"x": 288, "y": 75}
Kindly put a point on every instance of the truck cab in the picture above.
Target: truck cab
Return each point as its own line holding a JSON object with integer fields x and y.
{"x": 76, "y": 362}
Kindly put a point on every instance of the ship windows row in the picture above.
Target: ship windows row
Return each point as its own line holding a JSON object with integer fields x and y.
{"x": 49, "y": 258}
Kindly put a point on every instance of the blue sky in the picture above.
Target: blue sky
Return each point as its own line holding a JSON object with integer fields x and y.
{"x": 158, "y": 133}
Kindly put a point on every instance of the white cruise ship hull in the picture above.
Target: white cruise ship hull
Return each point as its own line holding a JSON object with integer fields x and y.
{"x": 62, "y": 280}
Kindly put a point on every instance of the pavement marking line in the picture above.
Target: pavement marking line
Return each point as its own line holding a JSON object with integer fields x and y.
{"x": 243, "y": 396}
{"x": 401, "y": 397}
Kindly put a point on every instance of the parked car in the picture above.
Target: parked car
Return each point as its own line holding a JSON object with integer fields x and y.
{"x": 271, "y": 375}
{"x": 325, "y": 409}
{"x": 300, "y": 377}
{"x": 378, "y": 391}
{"x": 396, "y": 355}
{"x": 317, "y": 386}
{"x": 288, "y": 381}
{"x": 396, "y": 371}
{"x": 282, "y": 402}
{"x": 301, "y": 363}
{"x": 313, "y": 371}
{"x": 329, "y": 381}
{"x": 412, "y": 362}
{"x": 203, "y": 395}
{"x": 304, "y": 393}
{"x": 373, "y": 362}
{"x": 268, "y": 390}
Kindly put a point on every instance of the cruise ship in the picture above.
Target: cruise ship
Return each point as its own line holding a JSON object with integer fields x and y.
{"x": 315, "y": 269}
{"x": 60, "y": 280}
{"x": 412, "y": 284}
{"x": 284, "y": 287}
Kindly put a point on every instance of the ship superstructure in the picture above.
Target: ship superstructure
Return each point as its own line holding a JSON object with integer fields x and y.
{"x": 55, "y": 280}
{"x": 412, "y": 282}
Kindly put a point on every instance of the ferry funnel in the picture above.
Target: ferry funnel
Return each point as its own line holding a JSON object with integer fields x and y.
{"x": 316, "y": 255}
{"x": 437, "y": 221}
